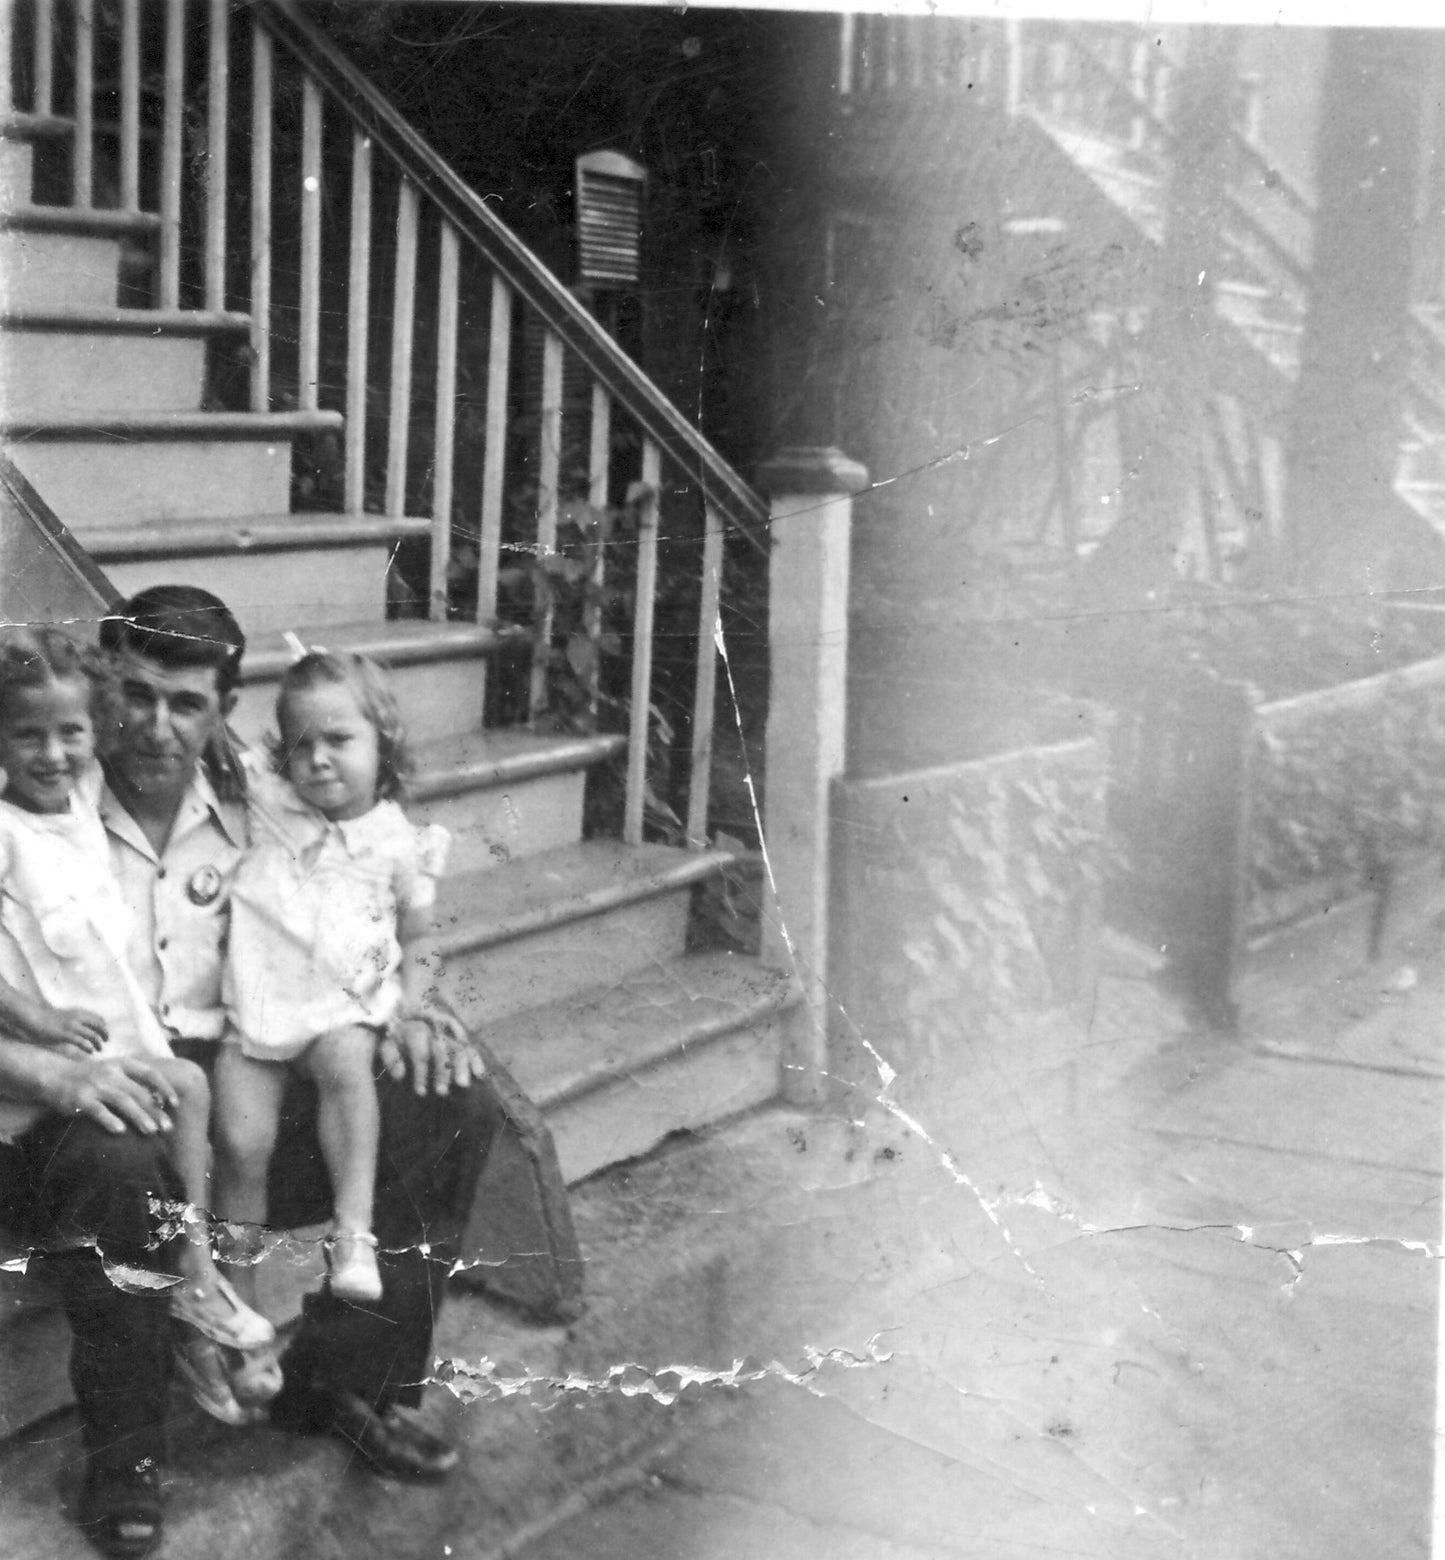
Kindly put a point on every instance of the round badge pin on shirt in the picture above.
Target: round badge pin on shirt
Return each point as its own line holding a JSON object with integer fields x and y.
{"x": 204, "y": 887}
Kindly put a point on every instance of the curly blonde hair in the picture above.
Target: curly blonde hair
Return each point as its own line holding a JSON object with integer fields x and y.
{"x": 368, "y": 686}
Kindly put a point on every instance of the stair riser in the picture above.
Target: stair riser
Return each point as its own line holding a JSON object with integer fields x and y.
{"x": 492, "y": 983}
{"x": 633, "y": 1114}
{"x": 308, "y": 588}
{"x": 17, "y": 178}
{"x": 438, "y": 698}
{"x": 52, "y": 373}
{"x": 491, "y": 827}
{"x": 120, "y": 481}
{"x": 52, "y": 270}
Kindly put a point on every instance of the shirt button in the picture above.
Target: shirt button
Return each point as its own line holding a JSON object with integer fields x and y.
{"x": 163, "y": 944}
{"x": 161, "y": 873}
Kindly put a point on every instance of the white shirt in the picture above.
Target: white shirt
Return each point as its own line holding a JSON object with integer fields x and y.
{"x": 64, "y": 929}
{"x": 314, "y": 911}
{"x": 179, "y": 902}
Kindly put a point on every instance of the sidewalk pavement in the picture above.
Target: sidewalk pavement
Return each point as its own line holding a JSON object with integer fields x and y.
{"x": 1146, "y": 1293}
{"x": 1114, "y": 1288}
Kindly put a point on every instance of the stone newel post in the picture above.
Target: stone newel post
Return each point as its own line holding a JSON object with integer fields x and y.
{"x": 811, "y": 492}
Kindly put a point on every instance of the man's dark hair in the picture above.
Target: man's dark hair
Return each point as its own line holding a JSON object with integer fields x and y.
{"x": 180, "y": 626}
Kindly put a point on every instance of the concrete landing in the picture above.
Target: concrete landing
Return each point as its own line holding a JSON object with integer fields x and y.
{"x": 1125, "y": 1291}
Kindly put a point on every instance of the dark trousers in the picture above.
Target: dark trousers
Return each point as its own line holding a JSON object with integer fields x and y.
{"x": 69, "y": 1182}
{"x": 433, "y": 1150}
{"x": 81, "y": 1196}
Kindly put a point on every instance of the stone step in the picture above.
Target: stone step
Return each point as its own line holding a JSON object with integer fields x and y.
{"x": 82, "y": 361}
{"x": 506, "y": 793}
{"x": 58, "y": 256}
{"x": 617, "y": 1068}
{"x": 134, "y": 468}
{"x": 17, "y": 174}
{"x": 556, "y": 924}
{"x": 273, "y": 571}
{"x": 723, "y": 1247}
{"x": 436, "y": 670}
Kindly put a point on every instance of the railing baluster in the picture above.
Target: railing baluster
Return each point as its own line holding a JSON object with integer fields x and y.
{"x": 217, "y": 86}
{"x": 129, "y": 104}
{"x": 262, "y": 55}
{"x": 308, "y": 367}
{"x": 640, "y": 722}
{"x": 7, "y": 81}
{"x": 1139, "y": 90}
{"x": 704, "y": 699}
{"x": 847, "y": 29}
{"x": 403, "y": 303}
{"x": 358, "y": 298}
{"x": 175, "y": 84}
{"x": 867, "y": 50}
{"x": 44, "y": 58}
{"x": 548, "y": 462}
{"x": 599, "y": 460}
{"x": 1013, "y": 67}
{"x": 83, "y": 150}
{"x": 446, "y": 417}
{"x": 494, "y": 457}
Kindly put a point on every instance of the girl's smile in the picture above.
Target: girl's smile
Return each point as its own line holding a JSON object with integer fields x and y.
{"x": 46, "y": 741}
{"x": 331, "y": 751}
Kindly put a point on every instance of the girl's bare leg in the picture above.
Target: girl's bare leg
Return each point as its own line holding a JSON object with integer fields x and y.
{"x": 205, "y": 1302}
{"x": 349, "y": 1126}
{"x": 190, "y": 1154}
{"x": 349, "y": 1119}
{"x": 246, "y": 1115}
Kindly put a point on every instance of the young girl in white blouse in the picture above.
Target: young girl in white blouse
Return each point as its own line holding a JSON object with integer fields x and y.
{"x": 330, "y": 946}
{"x": 64, "y": 979}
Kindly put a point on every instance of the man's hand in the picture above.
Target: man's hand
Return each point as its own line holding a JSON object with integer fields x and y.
{"x": 72, "y": 1029}
{"x": 434, "y": 1048}
{"x": 115, "y": 1092}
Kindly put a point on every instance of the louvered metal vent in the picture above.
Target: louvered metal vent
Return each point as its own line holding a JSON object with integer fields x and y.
{"x": 609, "y": 219}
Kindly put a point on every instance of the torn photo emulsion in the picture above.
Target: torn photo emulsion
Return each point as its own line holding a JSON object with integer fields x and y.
{"x": 723, "y": 748}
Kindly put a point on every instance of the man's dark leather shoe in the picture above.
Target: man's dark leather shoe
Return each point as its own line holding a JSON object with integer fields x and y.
{"x": 390, "y": 1444}
{"x": 120, "y": 1511}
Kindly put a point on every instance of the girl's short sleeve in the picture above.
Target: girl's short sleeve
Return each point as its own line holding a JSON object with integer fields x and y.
{"x": 416, "y": 883}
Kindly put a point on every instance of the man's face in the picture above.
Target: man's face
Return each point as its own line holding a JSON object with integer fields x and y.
{"x": 168, "y": 716}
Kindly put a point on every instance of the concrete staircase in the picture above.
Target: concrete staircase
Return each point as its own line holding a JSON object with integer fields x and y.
{"x": 571, "y": 957}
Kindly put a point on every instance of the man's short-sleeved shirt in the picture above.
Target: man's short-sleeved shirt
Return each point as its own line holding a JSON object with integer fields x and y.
{"x": 179, "y": 902}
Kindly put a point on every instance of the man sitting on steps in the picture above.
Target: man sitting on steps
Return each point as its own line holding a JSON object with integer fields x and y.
{"x": 176, "y": 822}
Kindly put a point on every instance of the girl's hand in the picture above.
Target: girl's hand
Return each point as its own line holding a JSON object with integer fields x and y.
{"x": 74, "y": 1029}
{"x": 434, "y": 1047}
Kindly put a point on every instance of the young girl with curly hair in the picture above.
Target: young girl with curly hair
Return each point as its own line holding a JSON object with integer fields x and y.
{"x": 64, "y": 979}
{"x": 330, "y": 947}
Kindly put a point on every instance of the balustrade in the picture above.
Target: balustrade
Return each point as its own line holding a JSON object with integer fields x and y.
{"x": 378, "y": 284}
